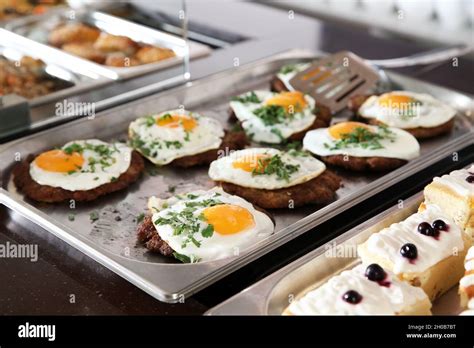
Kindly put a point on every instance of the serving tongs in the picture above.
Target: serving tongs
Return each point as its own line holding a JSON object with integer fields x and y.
{"x": 332, "y": 80}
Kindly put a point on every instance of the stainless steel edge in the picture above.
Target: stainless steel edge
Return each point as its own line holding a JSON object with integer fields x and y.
{"x": 255, "y": 300}
{"x": 172, "y": 282}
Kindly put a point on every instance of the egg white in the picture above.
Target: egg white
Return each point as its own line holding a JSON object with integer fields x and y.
{"x": 86, "y": 179}
{"x": 404, "y": 145}
{"x": 430, "y": 113}
{"x": 217, "y": 246}
{"x": 259, "y": 132}
{"x": 222, "y": 169}
{"x": 207, "y": 135}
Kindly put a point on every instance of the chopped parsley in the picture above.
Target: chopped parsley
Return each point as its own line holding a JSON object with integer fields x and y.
{"x": 289, "y": 68}
{"x": 140, "y": 217}
{"x": 94, "y": 216}
{"x": 185, "y": 258}
{"x": 277, "y": 132}
{"x": 247, "y": 98}
{"x": 166, "y": 116}
{"x": 71, "y": 217}
{"x": 187, "y": 224}
{"x": 295, "y": 149}
{"x": 272, "y": 114}
{"x": 275, "y": 165}
{"x": 104, "y": 151}
{"x": 149, "y": 120}
{"x": 171, "y": 189}
{"x": 176, "y": 144}
{"x": 364, "y": 138}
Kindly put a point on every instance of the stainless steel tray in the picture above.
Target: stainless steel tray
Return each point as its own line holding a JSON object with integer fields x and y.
{"x": 272, "y": 295}
{"x": 81, "y": 76}
{"x": 38, "y": 28}
{"x": 112, "y": 243}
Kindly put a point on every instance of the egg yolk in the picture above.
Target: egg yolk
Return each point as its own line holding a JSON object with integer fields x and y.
{"x": 229, "y": 218}
{"x": 175, "y": 121}
{"x": 291, "y": 101}
{"x": 59, "y": 161}
{"x": 398, "y": 101}
{"x": 338, "y": 131}
{"x": 255, "y": 163}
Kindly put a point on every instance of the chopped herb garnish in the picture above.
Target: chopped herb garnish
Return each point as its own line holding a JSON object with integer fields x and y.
{"x": 176, "y": 144}
{"x": 295, "y": 149}
{"x": 149, "y": 121}
{"x": 286, "y": 69}
{"x": 272, "y": 114}
{"x": 364, "y": 138}
{"x": 247, "y": 98}
{"x": 277, "y": 132}
{"x": 275, "y": 165}
{"x": 94, "y": 216}
{"x": 96, "y": 178}
{"x": 186, "y": 223}
{"x": 182, "y": 258}
{"x": 171, "y": 189}
{"x": 166, "y": 116}
{"x": 71, "y": 217}
{"x": 140, "y": 217}
{"x": 208, "y": 231}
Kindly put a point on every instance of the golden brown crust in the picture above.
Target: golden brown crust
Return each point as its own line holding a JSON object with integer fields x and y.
{"x": 44, "y": 193}
{"x": 320, "y": 190}
{"x": 360, "y": 164}
{"x": 356, "y": 102}
{"x": 231, "y": 141}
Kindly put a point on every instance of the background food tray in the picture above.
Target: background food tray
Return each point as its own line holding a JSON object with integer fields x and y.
{"x": 73, "y": 72}
{"x": 113, "y": 243}
{"x": 38, "y": 29}
{"x": 273, "y": 294}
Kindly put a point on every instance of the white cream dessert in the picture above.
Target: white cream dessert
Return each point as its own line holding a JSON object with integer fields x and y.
{"x": 427, "y": 249}
{"x": 454, "y": 194}
{"x": 363, "y": 290}
{"x": 466, "y": 284}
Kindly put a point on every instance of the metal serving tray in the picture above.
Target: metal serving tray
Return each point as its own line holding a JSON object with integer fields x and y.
{"x": 37, "y": 29}
{"x": 273, "y": 294}
{"x": 80, "y": 76}
{"x": 113, "y": 243}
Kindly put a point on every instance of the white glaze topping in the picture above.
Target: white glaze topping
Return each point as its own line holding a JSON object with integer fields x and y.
{"x": 456, "y": 181}
{"x": 388, "y": 242}
{"x": 376, "y": 299}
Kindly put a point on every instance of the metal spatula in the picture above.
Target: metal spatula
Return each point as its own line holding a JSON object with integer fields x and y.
{"x": 332, "y": 80}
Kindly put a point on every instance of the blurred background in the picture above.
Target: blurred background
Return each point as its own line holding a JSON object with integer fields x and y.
{"x": 439, "y": 21}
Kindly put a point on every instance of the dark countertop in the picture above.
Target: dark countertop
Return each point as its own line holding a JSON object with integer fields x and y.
{"x": 65, "y": 281}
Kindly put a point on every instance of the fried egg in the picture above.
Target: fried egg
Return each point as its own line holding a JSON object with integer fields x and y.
{"x": 81, "y": 165}
{"x": 208, "y": 225}
{"x": 266, "y": 168}
{"x": 174, "y": 134}
{"x": 407, "y": 110}
{"x": 361, "y": 140}
{"x": 272, "y": 118}
{"x": 287, "y": 72}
